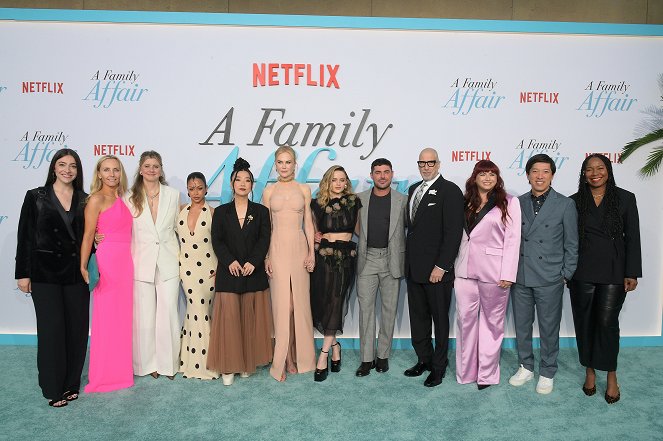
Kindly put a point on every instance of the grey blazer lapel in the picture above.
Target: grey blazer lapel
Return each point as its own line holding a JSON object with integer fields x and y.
{"x": 527, "y": 211}
{"x": 363, "y": 215}
{"x": 548, "y": 208}
{"x": 394, "y": 212}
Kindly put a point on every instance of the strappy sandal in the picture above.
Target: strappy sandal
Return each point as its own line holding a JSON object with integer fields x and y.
{"x": 70, "y": 395}
{"x": 58, "y": 403}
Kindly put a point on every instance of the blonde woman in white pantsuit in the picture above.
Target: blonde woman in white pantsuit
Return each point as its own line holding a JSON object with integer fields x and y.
{"x": 155, "y": 253}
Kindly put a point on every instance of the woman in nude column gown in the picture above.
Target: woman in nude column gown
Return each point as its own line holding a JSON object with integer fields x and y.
{"x": 290, "y": 260}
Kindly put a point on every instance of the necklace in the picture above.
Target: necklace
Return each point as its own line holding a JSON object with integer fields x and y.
{"x": 151, "y": 198}
{"x": 286, "y": 179}
{"x": 596, "y": 196}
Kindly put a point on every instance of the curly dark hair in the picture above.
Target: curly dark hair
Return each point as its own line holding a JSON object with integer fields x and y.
{"x": 612, "y": 222}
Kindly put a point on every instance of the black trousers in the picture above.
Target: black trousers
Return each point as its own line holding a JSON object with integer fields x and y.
{"x": 63, "y": 313}
{"x": 596, "y": 310}
{"x": 430, "y": 302}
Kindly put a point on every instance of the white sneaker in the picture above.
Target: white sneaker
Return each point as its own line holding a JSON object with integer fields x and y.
{"x": 521, "y": 377}
{"x": 228, "y": 379}
{"x": 244, "y": 375}
{"x": 545, "y": 385}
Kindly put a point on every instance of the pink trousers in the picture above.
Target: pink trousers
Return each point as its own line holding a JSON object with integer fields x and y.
{"x": 480, "y": 311}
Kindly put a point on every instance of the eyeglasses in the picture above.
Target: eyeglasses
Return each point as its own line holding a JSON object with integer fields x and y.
{"x": 422, "y": 164}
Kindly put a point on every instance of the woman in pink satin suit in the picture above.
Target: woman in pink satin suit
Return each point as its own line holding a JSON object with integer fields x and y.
{"x": 486, "y": 267}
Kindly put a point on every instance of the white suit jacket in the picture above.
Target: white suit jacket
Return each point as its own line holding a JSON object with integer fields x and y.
{"x": 154, "y": 244}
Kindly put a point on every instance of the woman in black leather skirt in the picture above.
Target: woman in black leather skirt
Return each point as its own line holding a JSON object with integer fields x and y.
{"x": 609, "y": 263}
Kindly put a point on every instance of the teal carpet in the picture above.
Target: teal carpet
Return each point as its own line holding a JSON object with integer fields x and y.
{"x": 381, "y": 406}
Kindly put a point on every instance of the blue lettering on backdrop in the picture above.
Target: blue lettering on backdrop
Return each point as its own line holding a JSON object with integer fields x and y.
{"x": 28, "y": 153}
{"x": 521, "y": 158}
{"x": 265, "y": 178}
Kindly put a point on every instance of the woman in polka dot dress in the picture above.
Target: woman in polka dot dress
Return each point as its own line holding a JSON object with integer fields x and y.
{"x": 197, "y": 270}
{"x": 242, "y": 329}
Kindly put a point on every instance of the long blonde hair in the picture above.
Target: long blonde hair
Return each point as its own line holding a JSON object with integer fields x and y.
{"x": 97, "y": 185}
{"x": 137, "y": 197}
{"x": 324, "y": 194}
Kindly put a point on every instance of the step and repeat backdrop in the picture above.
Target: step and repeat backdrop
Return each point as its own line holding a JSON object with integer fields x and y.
{"x": 203, "y": 95}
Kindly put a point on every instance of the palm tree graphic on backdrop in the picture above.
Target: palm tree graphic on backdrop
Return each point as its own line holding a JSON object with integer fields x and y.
{"x": 649, "y": 130}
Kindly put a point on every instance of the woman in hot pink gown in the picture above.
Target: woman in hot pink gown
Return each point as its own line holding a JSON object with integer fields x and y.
{"x": 112, "y": 311}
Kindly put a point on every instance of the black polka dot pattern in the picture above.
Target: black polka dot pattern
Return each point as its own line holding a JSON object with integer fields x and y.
{"x": 196, "y": 281}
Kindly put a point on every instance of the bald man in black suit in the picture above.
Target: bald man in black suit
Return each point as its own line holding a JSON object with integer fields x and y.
{"x": 435, "y": 228}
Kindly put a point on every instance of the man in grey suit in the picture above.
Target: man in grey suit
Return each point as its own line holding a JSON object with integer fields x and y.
{"x": 548, "y": 258}
{"x": 380, "y": 264}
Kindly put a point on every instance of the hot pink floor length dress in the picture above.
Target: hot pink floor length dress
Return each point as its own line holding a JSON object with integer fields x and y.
{"x": 112, "y": 311}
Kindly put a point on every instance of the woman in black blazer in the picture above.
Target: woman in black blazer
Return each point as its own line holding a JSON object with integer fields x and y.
{"x": 609, "y": 264}
{"x": 50, "y": 231}
{"x": 241, "y": 335}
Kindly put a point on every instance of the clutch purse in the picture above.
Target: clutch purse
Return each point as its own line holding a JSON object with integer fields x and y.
{"x": 93, "y": 271}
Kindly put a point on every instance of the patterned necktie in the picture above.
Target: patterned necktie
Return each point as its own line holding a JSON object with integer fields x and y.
{"x": 417, "y": 199}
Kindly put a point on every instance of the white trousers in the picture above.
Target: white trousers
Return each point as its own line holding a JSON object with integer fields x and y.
{"x": 156, "y": 330}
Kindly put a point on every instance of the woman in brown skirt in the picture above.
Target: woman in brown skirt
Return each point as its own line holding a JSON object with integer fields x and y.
{"x": 241, "y": 337}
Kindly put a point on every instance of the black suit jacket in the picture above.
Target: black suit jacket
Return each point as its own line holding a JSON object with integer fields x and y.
{"x": 48, "y": 248}
{"x": 434, "y": 236}
{"x": 247, "y": 244}
{"x": 607, "y": 260}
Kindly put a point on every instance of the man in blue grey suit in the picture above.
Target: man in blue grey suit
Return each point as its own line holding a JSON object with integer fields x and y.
{"x": 548, "y": 258}
{"x": 380, "y": 264}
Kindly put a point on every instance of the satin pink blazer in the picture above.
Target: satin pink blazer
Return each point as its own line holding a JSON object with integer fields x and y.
{"x": 490, "y": 253}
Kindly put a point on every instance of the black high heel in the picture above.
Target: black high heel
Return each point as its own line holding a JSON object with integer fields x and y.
{"x": 336, "y": 364}
{"x": 321, "y": 374}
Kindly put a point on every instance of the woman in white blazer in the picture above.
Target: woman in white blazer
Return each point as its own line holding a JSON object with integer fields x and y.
{"x": 155, "y": 253}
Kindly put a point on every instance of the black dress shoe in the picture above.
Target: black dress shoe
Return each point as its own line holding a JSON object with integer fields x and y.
{"x": 381, "y": 365}
{"x": 434, "y": 378}
{"x": 417, "y": 369}
{"x": 365, "y": 368}
{"x": 483, "y": 386}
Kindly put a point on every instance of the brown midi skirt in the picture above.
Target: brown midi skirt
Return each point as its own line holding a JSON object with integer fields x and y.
{"x": 241, "y": 337}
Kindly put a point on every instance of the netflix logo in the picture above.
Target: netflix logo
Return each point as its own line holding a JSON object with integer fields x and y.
{"x": 469, "y": 155}
{"x": 539, "y": 97}
{"x": 289, "y": 74}
{"x": 114, "y": 149}
{"x": 614, "y": 157}
{"x": 42, "y": 87}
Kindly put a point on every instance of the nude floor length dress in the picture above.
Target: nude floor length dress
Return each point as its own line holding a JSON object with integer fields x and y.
{"x": 287, "y": 251}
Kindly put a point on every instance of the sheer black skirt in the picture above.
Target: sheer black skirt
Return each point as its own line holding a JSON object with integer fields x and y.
{"x": 331, "y": 284}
